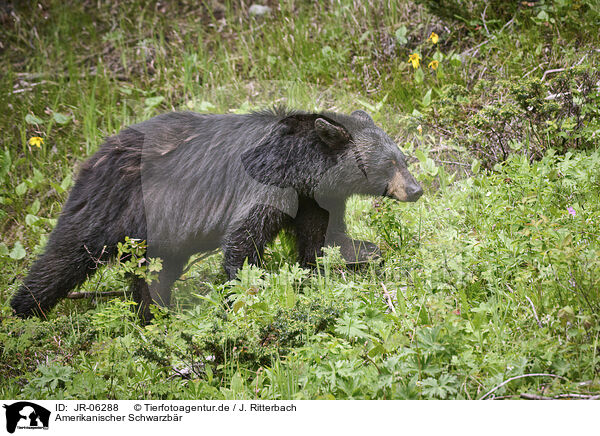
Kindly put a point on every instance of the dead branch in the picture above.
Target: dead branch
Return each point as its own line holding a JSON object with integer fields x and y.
{"x": 80, "y": 295}
{"x": 518, "y": 377}
{"x": 526, "y": 396}
{"x": 476, "y": 48}
{"x": 555, "y": 70}
{"x": 534, "y": 312}
{"x": 452, "y": 162}
{"x": 388, "y": 298}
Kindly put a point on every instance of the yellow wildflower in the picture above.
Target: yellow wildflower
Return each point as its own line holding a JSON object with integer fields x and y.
{"x": 36, "y": 141}
{"x": 433, "y": 65}
{"x": 414, "y": 59}
{"x": 420, "y": 129}
{"x": 434, "y": 37}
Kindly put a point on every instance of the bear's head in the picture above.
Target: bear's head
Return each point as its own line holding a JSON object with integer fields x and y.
{"x": 370, "y": 161}
{"x": 329, "y": 157}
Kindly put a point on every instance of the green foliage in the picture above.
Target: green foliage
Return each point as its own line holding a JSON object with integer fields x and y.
{"x": 52, "y": 380}
{"x": 473, "y": 13}
{"x": 543, "y": 237}
{"x": 132, "y": 261}
{"x": 573, "y": 16}
{"x": 527, "y": 117}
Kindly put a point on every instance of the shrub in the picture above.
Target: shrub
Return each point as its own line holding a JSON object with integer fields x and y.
{"x": 528, "y": 117}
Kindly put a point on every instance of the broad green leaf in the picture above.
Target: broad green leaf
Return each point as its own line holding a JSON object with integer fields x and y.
{"x": 18, "y": 252}
{"x": 205, "y": 106}
{"x": 515, "y": 145}
{"x": 420, "y": 155}
{"x": 430, "y": 167}
{"x": 61, "y": 118}
{"x": 364, "y": 36}
{"x": 21, "y": 189}
{"x": 543, "y": 15}
{"x": 38, "y": 177}
{"x": 31, "y": 220}
{"x": 238, "y": 305}
{"x": 34, "y": 208}
{"x": 368, "y": 105}
{"x": 401, "y": 35}
{"x": 327, "y": 52}
{"x": 32, "y": 119}
{"x": 67, "y": 182}
{"x": 419, "y": 76}
{"x": 351, "y": 327}
{"x": 376, "y": 350}
{"x": 427, "y": 99}
{"x": 153, "y": 101}
{"x": 455, "y": 60}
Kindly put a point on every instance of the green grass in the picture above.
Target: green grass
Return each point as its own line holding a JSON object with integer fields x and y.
{"x": 490, "y": 275}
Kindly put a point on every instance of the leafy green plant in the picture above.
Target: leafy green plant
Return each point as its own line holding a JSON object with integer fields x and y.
{"x": 52, "y": 380}
{"x": 528, "y": 117}
{"x": 495, "y": 12}
{"x": 131, "y": 260}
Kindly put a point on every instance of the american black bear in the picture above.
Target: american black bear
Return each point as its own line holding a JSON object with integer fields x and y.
{"x": 189, "y": 183}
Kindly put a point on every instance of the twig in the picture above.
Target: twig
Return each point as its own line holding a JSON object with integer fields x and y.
{"x": 518, "y": 377}
{"x": 196, "y": 260}
{"x": 534, "y": 397}
{"x": 531, "y": 71}
{"x": 580, "y": 396}
{"x": 483, "y": 19}
{"x": 374, "y": 364}
{"x": 452, "y": 163}
{"x": 388, "y": 298}
{"x": 555, "y": 70}
{"x": 18, "y": 91}
{"x": 80, "y": 295}
{"x": 526, "y": 396}
{"x": 558, "y": 70}
{"x": 539, "y": 323}
{"x": 488, "y": 40}
{"x": 534, "y": 312}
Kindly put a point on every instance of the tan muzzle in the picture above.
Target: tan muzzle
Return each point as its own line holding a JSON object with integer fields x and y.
{"x": 404, "y": 187}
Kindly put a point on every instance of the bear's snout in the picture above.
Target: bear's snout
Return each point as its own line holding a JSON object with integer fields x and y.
{"x": 403, "y": 187}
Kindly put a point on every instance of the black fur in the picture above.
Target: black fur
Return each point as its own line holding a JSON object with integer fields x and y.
{"x": 189, "y": 183}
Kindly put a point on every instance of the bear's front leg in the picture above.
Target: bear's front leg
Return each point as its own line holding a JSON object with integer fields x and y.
{"x": 248, "y": 237}
{"x": 310, "y": 228}
{"x": 356, "y": 252}
{"x": 316, "y": 228}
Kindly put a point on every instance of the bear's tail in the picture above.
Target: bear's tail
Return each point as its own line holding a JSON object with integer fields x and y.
{"x": 50, "y": 279}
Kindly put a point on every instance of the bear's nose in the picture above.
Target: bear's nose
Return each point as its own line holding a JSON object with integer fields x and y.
{"x": 414, "y": 192}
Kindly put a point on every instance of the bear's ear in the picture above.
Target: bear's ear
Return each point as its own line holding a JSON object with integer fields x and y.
{"x": 334, "y": 136}
{"x": 363, "y": 116}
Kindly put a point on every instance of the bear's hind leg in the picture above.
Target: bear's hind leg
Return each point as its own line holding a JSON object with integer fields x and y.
{"x": 141, "y": 295}
{"x": 159, "y": 291}
{"x": 50, "y": 279}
